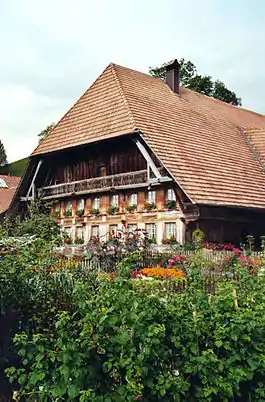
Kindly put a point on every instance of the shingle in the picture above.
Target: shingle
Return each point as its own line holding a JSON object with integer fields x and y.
{"x": 201, "y": 141}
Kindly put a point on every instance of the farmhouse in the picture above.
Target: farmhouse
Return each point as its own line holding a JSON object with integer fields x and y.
{"x": 137, "y": 152}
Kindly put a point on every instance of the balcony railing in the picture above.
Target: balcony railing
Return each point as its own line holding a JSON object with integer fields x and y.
{"x": 98, "y": 184}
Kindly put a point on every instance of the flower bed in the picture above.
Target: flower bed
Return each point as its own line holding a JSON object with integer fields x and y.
{"x": 158, "y": 273}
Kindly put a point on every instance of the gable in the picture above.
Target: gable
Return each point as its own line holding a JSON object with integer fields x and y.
{"x": 100, "y": 113}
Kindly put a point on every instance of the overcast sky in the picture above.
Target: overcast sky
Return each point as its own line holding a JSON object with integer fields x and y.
{"x": 52, "y": 51}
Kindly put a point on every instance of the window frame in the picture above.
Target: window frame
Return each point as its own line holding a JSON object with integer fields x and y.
{"x": 95, "y": 227}
{"x": 173, "y": 232}
{"x": 171, "y": 194}
{"x": 153, "y": 233}
{"x": 115, "y": 203}
{"x": 133, "y": 199}
{"x": 96, "y": 203}
{"x": 150, "y": 198}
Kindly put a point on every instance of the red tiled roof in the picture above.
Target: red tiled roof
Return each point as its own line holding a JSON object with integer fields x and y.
{"x": 201, "y": 141}
{"x": 7, "y": 193}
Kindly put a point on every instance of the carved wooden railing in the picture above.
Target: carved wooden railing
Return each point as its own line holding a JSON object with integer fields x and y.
{"x": 106, "y": 183}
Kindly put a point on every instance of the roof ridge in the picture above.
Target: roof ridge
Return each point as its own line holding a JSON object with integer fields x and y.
{"x": 222, "y": 102}
{"x": 252, "y": 147}
{"x": 125, "y": 101}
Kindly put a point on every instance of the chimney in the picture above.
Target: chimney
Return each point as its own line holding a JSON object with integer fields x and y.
{"x": 172, "y": 75}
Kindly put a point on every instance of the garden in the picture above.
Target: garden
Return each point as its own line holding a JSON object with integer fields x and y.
{"x": 186, "y": 326}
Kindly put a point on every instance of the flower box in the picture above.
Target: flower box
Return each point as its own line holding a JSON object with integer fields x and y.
{"x": 68, "y": 213}
{"x": 80, "y": 212}
{"x": 149, "y": 206}
{"x": 170, "y": 204}
{"x": 95, "y": 211}
{"x": 112, "y": 210}
{"x": 79, "y": 240}
{"x": 131, "y": 208}
{"x": 171, "y": 240}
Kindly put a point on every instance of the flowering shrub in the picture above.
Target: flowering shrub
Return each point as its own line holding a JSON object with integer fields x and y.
{"x": 222, "y": 247}
{"x": 179, "y": 261}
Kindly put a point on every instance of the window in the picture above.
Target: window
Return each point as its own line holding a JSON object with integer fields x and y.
{"x": 132, "y": 227}
{"x": 80, "y": 204}
{"x": 150, "y": 229}
{"x": 171, "y": 195}
{"x": 79, "y": 233}
{"x": 133, "y": 199}
{"x": 171, "y": 230}
{"x": 3, "y": 184}
{"x": 68, "y": 206}
{"x": 96, "y": 203}
{"x": 68, "y": 231}
{"x": 95, "y": 231}
{"x": 151, "y": 196}
{"x": 113, "y": 230}
{"x": 57, "y": 207}
{"x": 115, "y": 200}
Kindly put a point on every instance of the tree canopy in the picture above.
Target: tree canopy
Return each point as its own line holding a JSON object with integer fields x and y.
{"x": 43, "y": 134}
{"x": 3, "y": 157}
{"x": 204, "y": 84}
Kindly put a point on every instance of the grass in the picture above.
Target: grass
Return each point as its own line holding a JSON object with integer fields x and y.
{"x": 16, "y": 168}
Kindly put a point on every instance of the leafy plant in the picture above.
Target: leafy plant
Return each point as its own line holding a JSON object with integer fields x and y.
{"x": 80, "y": 212}
{"x": 131, "y": 208}
{"x": 68, "y": 213}
{"x": 79, "y": 240}
{"x": 198, "y": 236}
{"x": 56, "y": 214}
{"x": 112, "y": 210}
{"x": 95, "y": 211}
{"x": 170, "y": 204}
{"x": 171, "y": 240}
{"x": 149, "y": 206}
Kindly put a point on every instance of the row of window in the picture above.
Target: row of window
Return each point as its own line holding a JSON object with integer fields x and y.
{"x": 115, "y": 200}
{"x": 150, "y": 228}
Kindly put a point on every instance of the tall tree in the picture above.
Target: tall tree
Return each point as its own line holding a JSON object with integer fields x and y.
{"x": 43, "y": 134}
{"x": 204, "y": 84}
{"x": 3, "y": 157}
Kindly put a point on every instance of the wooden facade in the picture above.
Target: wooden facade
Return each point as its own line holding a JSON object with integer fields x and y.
{"x": 107, "y": 186}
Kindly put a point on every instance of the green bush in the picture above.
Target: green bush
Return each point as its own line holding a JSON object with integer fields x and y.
{"x": 125, "y": 340}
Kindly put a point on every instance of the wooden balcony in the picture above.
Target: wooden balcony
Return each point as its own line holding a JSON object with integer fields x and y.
{"x": 97, "y": 184}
